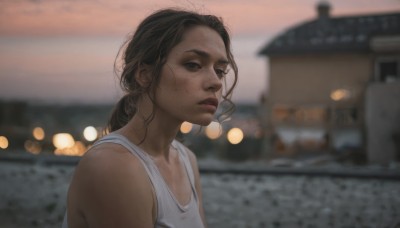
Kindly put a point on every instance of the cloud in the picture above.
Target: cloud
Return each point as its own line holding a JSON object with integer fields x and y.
{"x": 118, "y": 17}
{"x": 62, "y": 55}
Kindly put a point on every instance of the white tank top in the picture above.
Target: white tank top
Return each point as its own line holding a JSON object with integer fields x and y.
{"x": 170, "y": 213}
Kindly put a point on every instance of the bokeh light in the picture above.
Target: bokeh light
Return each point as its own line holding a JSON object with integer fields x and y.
{"x": 213, "y": 130}
{"x": 32, "y": 147}
{"x": 186, "y": 127}
{"x": 38, "y": 133}
{"x": 78, "y": 149}
{"x": 235, "y": 135}
{"x": 63, "y": 140}
{"x": 90, "y": 133}
{"x": 3, "y": 142}
{"x": 340, "y": 94}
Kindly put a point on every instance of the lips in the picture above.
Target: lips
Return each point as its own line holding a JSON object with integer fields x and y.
{"x": 210, "y": 101}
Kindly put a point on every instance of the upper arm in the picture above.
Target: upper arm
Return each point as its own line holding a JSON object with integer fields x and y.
{"x": 112, "y": 189}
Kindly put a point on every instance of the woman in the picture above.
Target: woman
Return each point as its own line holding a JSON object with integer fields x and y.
{"x": 173, "y": 71}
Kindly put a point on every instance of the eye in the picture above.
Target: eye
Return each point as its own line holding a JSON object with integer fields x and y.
{"x": 221, "y": 72}
{"x": 192, "y": 66}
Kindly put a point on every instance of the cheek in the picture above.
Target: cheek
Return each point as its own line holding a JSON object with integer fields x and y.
{"x": 183, "y": 84}
{"x": 178, "y": 81}
{"x": 219, "y": 94}
{"x": 175, "y": 89}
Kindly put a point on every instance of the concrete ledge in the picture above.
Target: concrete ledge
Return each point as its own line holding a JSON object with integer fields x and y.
{"x": 308, "y": 171}
{"x": 245, "y": 168}
{"x": 43, "y": 159}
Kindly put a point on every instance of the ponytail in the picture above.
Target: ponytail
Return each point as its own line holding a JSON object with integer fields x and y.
{"x": 122, "y": 113}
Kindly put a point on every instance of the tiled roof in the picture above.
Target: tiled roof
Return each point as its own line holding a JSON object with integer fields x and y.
{"x": 328, "y": 34}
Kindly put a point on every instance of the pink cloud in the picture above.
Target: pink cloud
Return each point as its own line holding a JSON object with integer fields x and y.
{"x": 88, "y": 17}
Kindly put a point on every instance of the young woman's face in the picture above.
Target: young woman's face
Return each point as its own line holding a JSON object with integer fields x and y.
{"x": 191, "y": 79}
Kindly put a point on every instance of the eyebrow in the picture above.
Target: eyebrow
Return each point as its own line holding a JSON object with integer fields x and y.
{"x": 204, "y": 54}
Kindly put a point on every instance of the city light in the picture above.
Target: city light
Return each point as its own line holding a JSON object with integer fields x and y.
{"x": 186, "y": 127}
{"x": 90, "y": 133}
{"x": 66, "y": 145}
{"x": 235, "y": 135}
{"x": 3, "y": 142}
{"x": 340, "y": 94}
{"x": 32, "y": 147}
{"x": 38, "y": 133}
{"x": 213, "y": 130}
{"x": 78, "y": 149}
{"x": 63, "y": 140}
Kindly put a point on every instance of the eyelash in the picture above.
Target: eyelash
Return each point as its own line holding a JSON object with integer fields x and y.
{"x": 221, "y": 73}
{"x": 192, "y": 66}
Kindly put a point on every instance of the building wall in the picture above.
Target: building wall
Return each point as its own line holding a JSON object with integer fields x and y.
{"x": 383, "y": 122}
{"x": 309, "y": 79}
{"x": 301, "y": 87}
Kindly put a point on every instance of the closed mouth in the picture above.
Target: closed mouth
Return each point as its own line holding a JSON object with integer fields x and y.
{"x": 210, "y": 101}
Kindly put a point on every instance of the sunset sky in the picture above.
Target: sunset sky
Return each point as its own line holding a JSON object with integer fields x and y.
{"x": 63, "y": 50}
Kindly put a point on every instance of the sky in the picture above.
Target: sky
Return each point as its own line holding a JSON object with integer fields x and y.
{"x": 62, "y": 51}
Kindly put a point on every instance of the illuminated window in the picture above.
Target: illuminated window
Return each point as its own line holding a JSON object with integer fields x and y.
{"x": 300, "y": 114}
{"x": 281, "y": 113}
{"x": 310, "y": 115}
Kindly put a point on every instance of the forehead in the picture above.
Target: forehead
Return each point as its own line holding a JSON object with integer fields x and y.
{"x": 204, "y": 39}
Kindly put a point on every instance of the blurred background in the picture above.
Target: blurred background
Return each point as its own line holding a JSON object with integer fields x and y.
{"x": 319, "y": 85}
{"x": 316, "y": 77}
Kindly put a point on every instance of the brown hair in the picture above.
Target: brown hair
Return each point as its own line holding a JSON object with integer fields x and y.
{"x": 150, "y": 45}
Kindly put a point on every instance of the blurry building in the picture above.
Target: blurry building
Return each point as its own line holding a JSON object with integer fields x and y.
{"x": 13, "y": 122}
{"x": 325, "y": 75}
{"x": 18, "y": 119}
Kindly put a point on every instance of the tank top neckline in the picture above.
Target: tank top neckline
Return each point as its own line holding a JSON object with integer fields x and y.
{"x": 174, "y": 144}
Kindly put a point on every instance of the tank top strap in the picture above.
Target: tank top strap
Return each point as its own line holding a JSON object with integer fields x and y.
{"x": 121, "y": 140}
{"x": 183, "y": 153}
{"x": 145, "y": 159}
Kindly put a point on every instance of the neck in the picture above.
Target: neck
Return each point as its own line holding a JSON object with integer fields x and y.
{"x": 156, "y": 137}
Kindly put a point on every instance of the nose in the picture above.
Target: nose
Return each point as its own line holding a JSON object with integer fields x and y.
{"x": 213, "y": 83}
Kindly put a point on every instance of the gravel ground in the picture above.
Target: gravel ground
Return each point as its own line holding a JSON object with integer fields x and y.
{"x": 33, "y": 195}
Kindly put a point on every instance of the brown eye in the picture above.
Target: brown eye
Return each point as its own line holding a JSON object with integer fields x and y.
{"x": 221, "y": 73}
{"x": 192, "y": 66}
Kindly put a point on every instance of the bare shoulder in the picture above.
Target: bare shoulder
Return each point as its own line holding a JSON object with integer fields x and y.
{"x": 104, "y": 158}
{"x": 109, "y": 162}
{"x": 108, "y": 185}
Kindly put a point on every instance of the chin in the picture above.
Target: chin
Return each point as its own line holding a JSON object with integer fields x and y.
{"x": 202, "y": 121}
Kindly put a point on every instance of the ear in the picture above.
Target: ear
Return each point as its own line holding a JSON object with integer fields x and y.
{"x": 143, "y": 76}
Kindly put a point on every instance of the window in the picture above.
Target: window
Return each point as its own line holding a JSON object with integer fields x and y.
{"x": 281, "y": 113}
{"x": 387, "y": 69}
{"x": 345, "y": 116}
{"x": 299, "y": 114}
